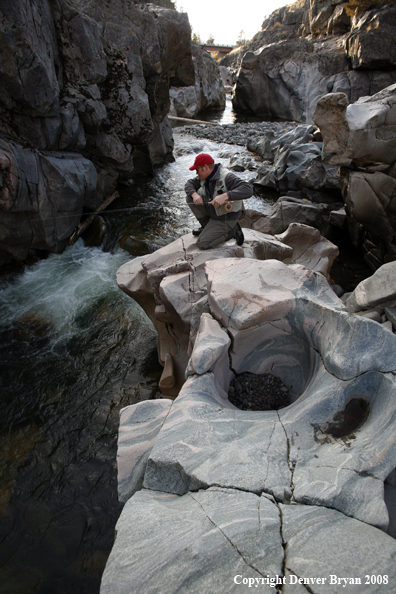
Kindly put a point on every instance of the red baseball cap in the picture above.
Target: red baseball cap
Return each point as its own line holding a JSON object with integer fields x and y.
{"x": 202, "y": 159}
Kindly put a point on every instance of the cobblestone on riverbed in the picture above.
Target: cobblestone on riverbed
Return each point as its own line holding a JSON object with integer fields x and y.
{"x": 249, "y": 391}
{"x": 237, "y": 134}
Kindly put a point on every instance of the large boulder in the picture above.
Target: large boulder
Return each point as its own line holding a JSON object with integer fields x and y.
{"x": 293, "y": 161}
{"x": 360, "y": 133}
{"x": 277, "y": 493}
{"x": 377, "y": 289}
{"x": 285, "y": 320}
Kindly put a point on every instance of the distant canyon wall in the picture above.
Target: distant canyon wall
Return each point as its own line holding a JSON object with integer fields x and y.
{"x": 311, "y": 48}
{"x": 208, "y": 92}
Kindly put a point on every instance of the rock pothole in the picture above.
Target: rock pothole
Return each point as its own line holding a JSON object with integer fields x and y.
{"x": 250, "y": 391}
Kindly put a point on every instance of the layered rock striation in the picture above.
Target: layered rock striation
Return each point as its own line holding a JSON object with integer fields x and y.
{"x": 84, "y": 94}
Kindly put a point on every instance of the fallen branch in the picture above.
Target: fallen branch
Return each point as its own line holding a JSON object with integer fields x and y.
{"x": 82, "y": 226}
{"x": 190, "y": 121}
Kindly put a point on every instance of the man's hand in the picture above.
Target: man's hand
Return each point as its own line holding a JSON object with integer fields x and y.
{"x": 220, "y": 199}
{"x": 197, "y": 199}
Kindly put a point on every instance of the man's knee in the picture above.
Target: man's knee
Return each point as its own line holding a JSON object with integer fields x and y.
{"x": 203, "y": 243}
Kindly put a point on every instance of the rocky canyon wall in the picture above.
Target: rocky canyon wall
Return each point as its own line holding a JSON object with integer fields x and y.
{"x": 208, "y": 91}
{"x": 311, "y": 48}
{"x": 84, "y": 92}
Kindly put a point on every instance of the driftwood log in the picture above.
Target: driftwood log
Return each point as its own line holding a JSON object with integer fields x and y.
{"x": 82, "y": 226}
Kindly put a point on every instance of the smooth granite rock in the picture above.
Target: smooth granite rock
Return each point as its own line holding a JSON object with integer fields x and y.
{"x": 309, "y": 248}
{"x": 361, "y": 133}
{"x": 323, "y": 543}
{"x": 378, "y": 288}
{"x": 195, "y": 543}
{"x": 211, "y": 343}
{"x": 139, "y": 426}
{"x": 170, "y": 284}
{"x": 224, "y": 540}
{"x": 287, "y": 321}
{"x": 207, "y": 441}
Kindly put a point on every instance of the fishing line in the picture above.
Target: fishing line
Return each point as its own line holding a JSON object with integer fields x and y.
{"x": 132, "y": 208}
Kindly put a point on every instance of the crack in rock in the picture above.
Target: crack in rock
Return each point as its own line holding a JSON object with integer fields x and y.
{"x": 284, "y": 543}
{"x": 269, "y": 445}
{"x": 229, "y": 540}
{"x": 291, "y": 465}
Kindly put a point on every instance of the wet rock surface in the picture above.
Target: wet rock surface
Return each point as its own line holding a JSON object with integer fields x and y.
{"x": 249, "y": 391}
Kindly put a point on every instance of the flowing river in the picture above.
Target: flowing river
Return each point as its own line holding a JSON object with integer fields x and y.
{"x": 74, "y": 350}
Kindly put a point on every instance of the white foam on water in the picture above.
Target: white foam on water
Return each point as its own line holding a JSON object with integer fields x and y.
{"x": 60, "y": 288}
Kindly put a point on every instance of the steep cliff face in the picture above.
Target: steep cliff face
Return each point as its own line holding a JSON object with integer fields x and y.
{"x": 84, "y": 86}
{"x": 312, "y": 47}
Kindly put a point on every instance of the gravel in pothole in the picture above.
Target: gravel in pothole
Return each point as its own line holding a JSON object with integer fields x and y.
{"x": 249, "y": 391}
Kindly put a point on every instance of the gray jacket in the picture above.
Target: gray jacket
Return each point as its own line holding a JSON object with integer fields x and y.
{"x": 236, "y": 188}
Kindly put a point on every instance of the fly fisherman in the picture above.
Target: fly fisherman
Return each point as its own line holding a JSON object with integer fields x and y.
{"x": 215, "y": 198}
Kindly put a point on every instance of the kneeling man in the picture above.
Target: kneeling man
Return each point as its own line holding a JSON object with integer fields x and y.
{"x": 215, "y": 198}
